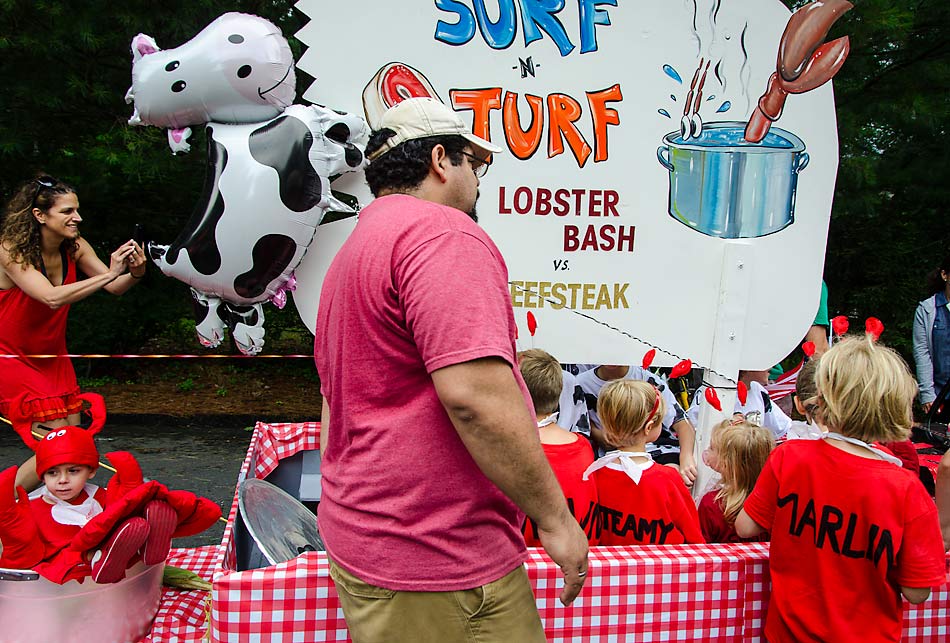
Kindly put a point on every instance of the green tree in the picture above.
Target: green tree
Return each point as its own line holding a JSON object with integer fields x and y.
{"x": 888, "y": 227}
{"x": 67, "y": 66}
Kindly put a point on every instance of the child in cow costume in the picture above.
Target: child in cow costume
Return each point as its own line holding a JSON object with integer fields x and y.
{"x": 69, "y": 529}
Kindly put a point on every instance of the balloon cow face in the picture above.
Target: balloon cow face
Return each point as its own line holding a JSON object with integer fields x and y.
{"x": 238, "y": 69}
{"x": 267, "y": 181}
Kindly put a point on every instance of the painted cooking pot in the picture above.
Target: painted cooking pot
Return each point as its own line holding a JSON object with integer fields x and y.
{"x": 724, "y": 186}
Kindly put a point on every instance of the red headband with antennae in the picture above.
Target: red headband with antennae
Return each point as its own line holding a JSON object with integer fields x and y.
{"x": 23, "y": 422}
{"x": 656, "y": 405}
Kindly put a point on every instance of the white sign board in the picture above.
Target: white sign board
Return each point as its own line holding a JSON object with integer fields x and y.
{"x": 614, "y": 226}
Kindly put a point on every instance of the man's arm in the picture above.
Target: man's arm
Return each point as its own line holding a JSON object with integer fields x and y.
{"x": 486, "y": 406}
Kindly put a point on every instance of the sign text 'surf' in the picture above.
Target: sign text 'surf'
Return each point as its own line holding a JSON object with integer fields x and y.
{"x": 538, "y": 19}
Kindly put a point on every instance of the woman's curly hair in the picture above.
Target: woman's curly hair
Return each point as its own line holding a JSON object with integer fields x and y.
{"x": 20, "y": 231}
{"x": 405, "y": 166}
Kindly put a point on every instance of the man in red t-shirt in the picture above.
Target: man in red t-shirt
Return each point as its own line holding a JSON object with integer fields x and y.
{"x": 429, "y": 447}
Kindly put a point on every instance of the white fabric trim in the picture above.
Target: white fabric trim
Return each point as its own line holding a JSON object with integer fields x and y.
{"x": 622, "y": 461}
{"x": 68, "y": 514}
{"x": 551, "y": 419}
{"x": 856, "y": 442}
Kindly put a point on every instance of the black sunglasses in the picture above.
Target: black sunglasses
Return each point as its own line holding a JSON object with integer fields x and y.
{"x": 47, "y": 182}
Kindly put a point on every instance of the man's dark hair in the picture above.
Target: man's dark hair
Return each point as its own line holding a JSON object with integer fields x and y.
{"x": 405, "y": 166}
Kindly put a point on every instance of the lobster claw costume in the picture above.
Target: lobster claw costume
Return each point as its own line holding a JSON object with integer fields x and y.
{"x": 22, "y": 546}
{"x": 33, "y": 538}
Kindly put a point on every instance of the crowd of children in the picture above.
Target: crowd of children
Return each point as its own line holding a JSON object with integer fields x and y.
{"x": 839, "y": 498}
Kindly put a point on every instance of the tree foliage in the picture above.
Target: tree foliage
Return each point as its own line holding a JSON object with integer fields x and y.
{"x": 67, "y": 65}
{"x": 888, "y": 228}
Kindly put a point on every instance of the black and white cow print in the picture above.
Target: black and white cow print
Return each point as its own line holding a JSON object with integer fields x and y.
{"x": 268, "y": 174}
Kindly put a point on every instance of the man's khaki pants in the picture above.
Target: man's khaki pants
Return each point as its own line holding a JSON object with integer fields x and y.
{"x": 501, "y": 611}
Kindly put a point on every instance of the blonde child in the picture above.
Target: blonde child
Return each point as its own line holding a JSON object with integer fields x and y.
{"x": 737, "y": 450}
{"x": 851, "y": 532}
{"x": 674, "y": 443}
{"x": 641, "y": 502}
{"x": 806, "y": 403}
{"x": 568, "y": 453}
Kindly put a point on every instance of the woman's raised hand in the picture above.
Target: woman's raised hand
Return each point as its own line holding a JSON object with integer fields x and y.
{"x": 122, "y": 257}
{"x": 136, "y": 260}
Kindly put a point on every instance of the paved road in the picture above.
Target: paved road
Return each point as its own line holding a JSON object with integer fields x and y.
{"x": 202, "y": 459}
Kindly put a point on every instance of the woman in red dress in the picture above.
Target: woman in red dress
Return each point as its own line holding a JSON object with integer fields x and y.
{"x": 41, "y": 254}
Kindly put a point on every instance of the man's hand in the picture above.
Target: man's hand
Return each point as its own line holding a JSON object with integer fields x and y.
{"x": 566, "y": 544}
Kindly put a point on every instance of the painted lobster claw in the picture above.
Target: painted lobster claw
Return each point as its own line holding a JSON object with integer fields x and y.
{"x": 805, "y": 32}
{"x": 804, "y": 63}
{"x": 821, "y": 67}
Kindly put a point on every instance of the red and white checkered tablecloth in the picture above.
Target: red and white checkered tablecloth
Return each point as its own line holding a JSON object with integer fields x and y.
{"x": 653, "y": 593}
{"x": 657, "y": 593}
{"x": 270, "y": 443}
{"x": 182, "y": 615}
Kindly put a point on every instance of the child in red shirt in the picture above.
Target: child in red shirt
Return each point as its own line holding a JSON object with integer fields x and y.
{"x": 851, "y": 530}
{"x": 737, "y": 450}
{"x": 641, "y": 502}
{"x": 45, "y": 532}
{"x": 568, "y": 453}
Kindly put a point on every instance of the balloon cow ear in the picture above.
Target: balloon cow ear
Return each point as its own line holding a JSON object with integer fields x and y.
{"x": 143, "y": 45}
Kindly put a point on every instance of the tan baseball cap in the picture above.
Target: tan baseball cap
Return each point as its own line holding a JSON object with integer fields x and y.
{"x": 423, "y": 117}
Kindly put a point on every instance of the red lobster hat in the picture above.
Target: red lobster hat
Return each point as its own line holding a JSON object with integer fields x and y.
{"x": 65, "y": 445}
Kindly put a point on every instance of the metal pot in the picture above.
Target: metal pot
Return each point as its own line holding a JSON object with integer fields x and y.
{"x": 723, "y": 186}
{"x": 34, "y": 609}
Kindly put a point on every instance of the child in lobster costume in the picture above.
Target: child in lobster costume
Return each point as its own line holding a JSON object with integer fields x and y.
{"x": 69, "y": 529}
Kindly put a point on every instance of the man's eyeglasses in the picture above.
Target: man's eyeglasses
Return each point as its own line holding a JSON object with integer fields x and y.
{"x": 479, "y": 166}
{"x": 42, "y": 182}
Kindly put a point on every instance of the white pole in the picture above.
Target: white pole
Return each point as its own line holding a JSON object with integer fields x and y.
{"x": 728, "y": 334}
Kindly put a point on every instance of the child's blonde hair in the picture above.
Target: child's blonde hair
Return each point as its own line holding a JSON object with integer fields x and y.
{"x": 741, "y": 449}
{"x": 865, "y": 391}
{"x": 806, "y": 390}
{"x": 543, "y": 376}
{"x": 627, "y": 407}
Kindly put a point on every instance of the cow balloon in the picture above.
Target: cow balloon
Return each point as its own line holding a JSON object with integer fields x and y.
{"x": 269, "y": 166}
